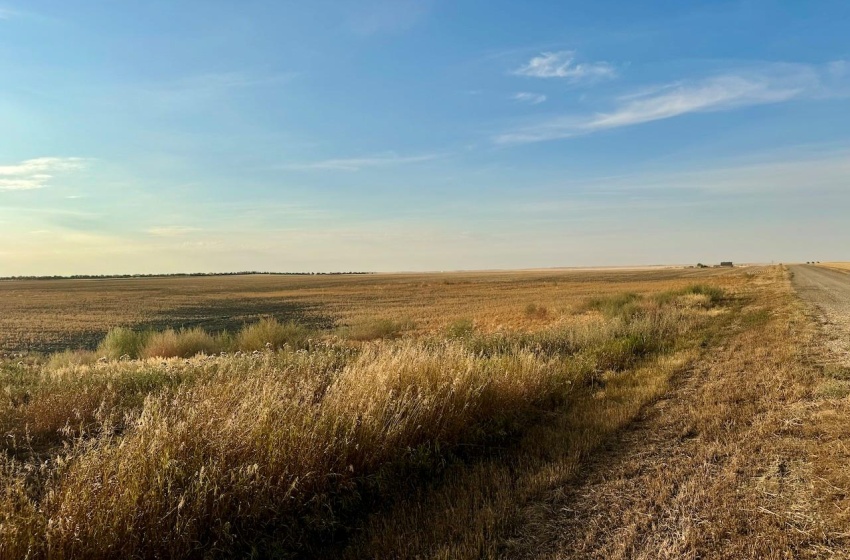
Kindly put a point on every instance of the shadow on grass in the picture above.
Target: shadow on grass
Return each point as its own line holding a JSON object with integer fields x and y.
{"x": 213, "y": 317}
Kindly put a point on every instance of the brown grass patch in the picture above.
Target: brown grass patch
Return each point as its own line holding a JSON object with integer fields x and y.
{"x": 280, "y": 451}
{"x": 844, "y": 266}
{"x": 51, "y": 315}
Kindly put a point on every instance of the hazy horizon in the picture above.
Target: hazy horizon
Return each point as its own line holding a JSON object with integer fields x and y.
{"x": 420, "y": 135}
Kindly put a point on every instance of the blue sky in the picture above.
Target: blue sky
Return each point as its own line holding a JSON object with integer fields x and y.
{"x": 420, "y": 134}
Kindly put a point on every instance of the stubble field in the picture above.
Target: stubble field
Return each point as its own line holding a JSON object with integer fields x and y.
{"x": 49, "y": 315}
{"x": 364, "y": 416}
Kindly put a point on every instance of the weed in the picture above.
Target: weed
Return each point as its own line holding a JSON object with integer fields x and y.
{"x": 833, "y": 389}
{"x": 208, "y": 456}
{"x": 72, "y": 358}
{"x": 624, "y": 305}
{"x": 268, "y": 333}
{"x": 461, "y": 328}
{"x": 837, "y": 371}
{"x": 121, "y": 341}
{"x": 183, "y": 343}
{"x": 713, "y": 293}
{"x": 532, "y": 310}
{"x": 376, "y": 329}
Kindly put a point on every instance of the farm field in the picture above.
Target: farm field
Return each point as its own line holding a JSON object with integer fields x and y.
{"x": 49, "y": 315}
{"x": 836, "y": 265}
{"x": 460, "y": 415}
{"x": 427, "y": 280}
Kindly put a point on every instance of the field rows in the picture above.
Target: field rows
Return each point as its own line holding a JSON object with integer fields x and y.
{"x": 282, "y": 443}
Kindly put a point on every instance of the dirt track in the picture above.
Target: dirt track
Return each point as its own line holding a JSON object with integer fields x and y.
{"x": 743, "y": 458}
{"x": 827, "y": 292}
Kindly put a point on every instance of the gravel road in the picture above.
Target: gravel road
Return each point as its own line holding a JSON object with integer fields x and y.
{"x": 827, "y": 292}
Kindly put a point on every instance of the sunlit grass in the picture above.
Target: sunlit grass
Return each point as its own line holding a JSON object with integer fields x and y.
{"x": 185, "y": 452}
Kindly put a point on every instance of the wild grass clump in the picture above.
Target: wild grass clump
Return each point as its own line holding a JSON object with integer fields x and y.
{"x": 376, "y": 329}
{"x": 208, "y": 465}
{"x": 460, "y": 328}
{"x": 121, "y": 341}
{"x": 624, "y": 352}
{"x": 183, "y": 343}
{"x": 713, "y": 293}
{"x": 209, "y": 456}
{"x": 269, "y": 333}
{"x": 833, "y": 389}
{"x": 837, "y": 371}
{"x": 617, "y": 305}
{"x": 265, "y": 334}
{"x": 696, "y": 295}
{"x": 535, "y": 311}
{"x": 556, "y": 341}
{"x": 70, "y": 358}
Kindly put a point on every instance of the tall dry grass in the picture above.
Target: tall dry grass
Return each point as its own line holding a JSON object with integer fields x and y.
{"x": 122, "y": 342}
{"x": 213, "y": 456}
{"x": 269, "y": 333}
{"x": 184, "y": 343}
{"x": 58, "y": 314}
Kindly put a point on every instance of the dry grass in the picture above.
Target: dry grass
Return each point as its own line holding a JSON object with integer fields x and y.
{"x": 746, "y": 458}
{"x": 51, "y": 315}
{"x": 678, "y": 422}
{"x": 268, "y": 333}
{"x": 845, "y": 266}
{"x": 376, "y": 329}
{"x": 184, "y": 343}
{"x": 277, "y": 451}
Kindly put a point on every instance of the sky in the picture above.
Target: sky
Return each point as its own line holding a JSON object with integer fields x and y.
{"x": 389, "y": 135}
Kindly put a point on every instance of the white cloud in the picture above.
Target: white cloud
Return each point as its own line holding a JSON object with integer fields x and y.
{"x": 356, "y": 164}
{"x": 36, "y": 173}
{"x": 562, "y": 64}
{"x": 719, "y": 93}
{"x": 528, "y": 97}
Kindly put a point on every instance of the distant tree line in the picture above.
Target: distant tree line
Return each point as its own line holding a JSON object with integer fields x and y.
{"x": 175, "y": 275}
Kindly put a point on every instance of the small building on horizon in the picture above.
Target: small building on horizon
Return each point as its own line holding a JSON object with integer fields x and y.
{"x": 726, "y": 263}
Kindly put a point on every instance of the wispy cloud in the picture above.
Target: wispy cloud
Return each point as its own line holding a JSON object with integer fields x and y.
{"x": 387, "y": 16}
{"x": 218, "y": 81}
{"x": 196, "y": 90}
{"x": 719, "y": 93}
{"x": 356, "y": 164}
{"x": 7, "y": 13}
{"x": 36, "y": 173}
{"x": 838, "y": 68}
{"x": 562, "y": 64}
{"x": 724, "y": 92}
{"x": 779, "y": 175}
{"x": 171, "y": 231}
{"x": 528, "y": 97}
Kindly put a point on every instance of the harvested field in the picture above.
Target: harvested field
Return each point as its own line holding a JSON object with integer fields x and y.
{"x": 49, "y": 315}
{"x": 836, "y": 265}
{"x": 666, "y": 413}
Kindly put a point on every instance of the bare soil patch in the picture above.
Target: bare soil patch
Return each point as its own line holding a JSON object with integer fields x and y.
{"x": 826, "y": 291}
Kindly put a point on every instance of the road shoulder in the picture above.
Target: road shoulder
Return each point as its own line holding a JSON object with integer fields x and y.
{"x": 745, "y": 457}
